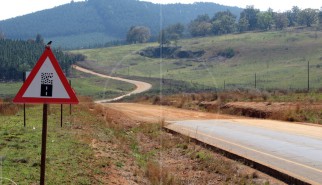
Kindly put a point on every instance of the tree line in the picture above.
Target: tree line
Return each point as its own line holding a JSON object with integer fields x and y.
{"x": 112, "y": 18}
{"x": 225, "y": 22}
{"x": 18, "y": 56}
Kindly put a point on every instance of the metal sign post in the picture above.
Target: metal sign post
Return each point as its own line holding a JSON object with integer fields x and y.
{"x": 46, "y": 85}
{"x": 61, "y": 115}
{"x": 70, "y": 105}
{"x": 43, "y": 145}
{"x": 24, "y": 105}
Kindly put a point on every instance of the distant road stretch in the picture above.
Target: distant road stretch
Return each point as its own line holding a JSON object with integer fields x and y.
{"x": 140, "y": 86}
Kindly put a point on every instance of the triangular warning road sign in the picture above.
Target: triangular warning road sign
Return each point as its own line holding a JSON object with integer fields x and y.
{"x": 46, "y": 83}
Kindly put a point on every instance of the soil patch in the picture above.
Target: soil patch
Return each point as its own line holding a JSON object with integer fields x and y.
{"x": 276, "y": 110}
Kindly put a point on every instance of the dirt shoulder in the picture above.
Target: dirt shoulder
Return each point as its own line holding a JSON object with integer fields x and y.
{"x": 165, "y": 158}
{"x": 154, "y": 113}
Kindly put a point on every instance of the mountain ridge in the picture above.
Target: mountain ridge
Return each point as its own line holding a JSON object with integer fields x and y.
{"x": 103, "y": 20}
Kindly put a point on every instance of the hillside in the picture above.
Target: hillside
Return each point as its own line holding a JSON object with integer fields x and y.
{"x": 97, "y": 21}
{"x": 279, "y": 59}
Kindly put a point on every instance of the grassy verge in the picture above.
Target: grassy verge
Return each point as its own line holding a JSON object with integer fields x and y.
{"x": 169, "y": 159}
{"x": 70, "y": 159}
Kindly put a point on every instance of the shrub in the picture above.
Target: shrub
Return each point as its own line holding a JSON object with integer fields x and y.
{"x": 228, "y": 53}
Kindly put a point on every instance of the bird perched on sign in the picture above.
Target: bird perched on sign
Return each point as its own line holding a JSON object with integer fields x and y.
{"x": 48, "y": 44}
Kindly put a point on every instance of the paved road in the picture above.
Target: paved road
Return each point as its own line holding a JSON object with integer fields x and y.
{"x": 294, "y": 149}
{"x": 140, "y": 86}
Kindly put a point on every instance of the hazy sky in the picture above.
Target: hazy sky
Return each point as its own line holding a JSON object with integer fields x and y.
{"x": 12, "y": 8}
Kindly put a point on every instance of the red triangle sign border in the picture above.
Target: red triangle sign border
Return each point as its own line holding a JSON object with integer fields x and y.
{"x": 46, "y": 54}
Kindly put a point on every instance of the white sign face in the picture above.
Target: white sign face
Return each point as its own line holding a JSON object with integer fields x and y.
{"x": 46, "y": 84}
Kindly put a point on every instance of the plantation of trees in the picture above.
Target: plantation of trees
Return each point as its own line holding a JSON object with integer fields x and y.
{"x": 17, "y": 56}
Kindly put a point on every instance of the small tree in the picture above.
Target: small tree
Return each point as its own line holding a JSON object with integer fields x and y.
{"x": 171, "y": 33}
{"x": 175, "y": 30}
{"x": 138, "y": 34}
{"x": 39, "y": 39}
{"x": 2, "y": 35}
{"x": 320, "y": 16}
{"x": 265, "y": 20}
{"x": 250, "y": 14}
{"x": 281, "y": 21}
{"x": 163, "y": 38}
{"x": 243, "y": 25}
{"x": 201, "y": 26}
{"x": 223, "y": 22}
{"x": 308, "y": 17}
{"x": 293, "y": 16}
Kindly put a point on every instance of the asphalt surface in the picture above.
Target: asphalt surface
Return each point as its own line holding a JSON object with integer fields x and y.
{"x": 295, "y": 153}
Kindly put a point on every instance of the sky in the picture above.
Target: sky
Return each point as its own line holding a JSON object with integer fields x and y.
{"x": 13, "y": 8}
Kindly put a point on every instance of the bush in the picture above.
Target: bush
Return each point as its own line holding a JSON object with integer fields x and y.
{"x": 228, "y": 53}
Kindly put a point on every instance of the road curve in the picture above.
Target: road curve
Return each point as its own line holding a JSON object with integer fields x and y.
{"x": 140, "y": 86}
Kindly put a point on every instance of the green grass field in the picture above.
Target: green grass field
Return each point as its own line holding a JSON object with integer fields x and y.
{"x": 69, "y": 160}
{"x": 9, "y": 89}
{"x": 278, "y": 58}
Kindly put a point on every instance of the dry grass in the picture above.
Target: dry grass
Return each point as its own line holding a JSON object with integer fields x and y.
{"x": 7, "y": 108}
{"x": 173, "y": 159}
{"x": 158, "y": 174}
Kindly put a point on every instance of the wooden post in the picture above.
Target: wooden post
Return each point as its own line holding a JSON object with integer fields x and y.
{"x": 43, "y": 145}
{"x": 61, "y": 115}
{"x": 255, "y": 81}
{"x": 24, "y": 115}
{"x": 308, "y": 76}
{"x": 24, "y": 105}
{"x": 70, "y": 105}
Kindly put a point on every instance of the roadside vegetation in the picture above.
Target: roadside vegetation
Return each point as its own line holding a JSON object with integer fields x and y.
{"x": 99, "y": 146}
{"x": 69, "y": 159}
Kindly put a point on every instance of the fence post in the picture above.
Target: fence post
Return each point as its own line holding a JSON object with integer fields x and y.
{"x": 255, "y": 81}
{"x": 308, "y": 76}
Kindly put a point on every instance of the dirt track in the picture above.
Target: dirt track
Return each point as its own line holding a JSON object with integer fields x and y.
{"x": 153, "y": 113}
{"x": 140, "y": 86}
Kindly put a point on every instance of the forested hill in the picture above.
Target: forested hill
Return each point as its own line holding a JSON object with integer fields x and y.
{"x": 80, "y": 23}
